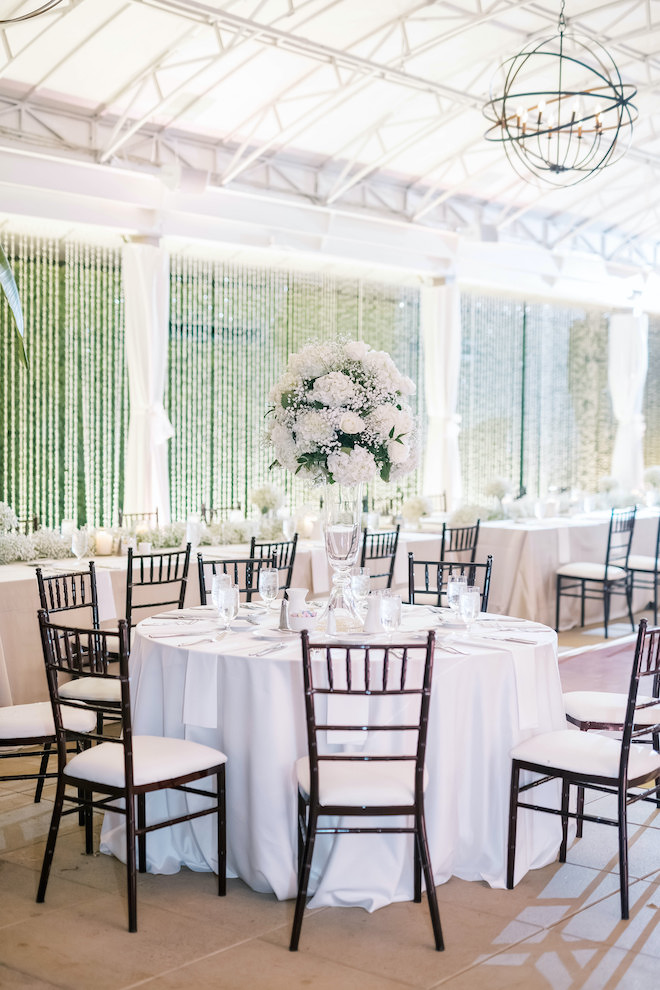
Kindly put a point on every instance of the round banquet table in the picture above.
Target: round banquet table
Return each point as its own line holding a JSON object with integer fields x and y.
{"x": 503, "y": 686}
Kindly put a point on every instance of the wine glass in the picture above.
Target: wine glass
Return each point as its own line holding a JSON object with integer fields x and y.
{"x": 390, "y": 613}
{"x": 360, "y": 586}
{"x": 80, "y": 542}
{"x": 455, "y": 585}
{"x": 218, "y": 585}
{"x": 470, "y": 605}
{"x": 227, "y": 604}
{"x": 269, "y": 585}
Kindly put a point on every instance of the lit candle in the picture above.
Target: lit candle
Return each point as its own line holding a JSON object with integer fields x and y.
{"x": 103, "y": 543}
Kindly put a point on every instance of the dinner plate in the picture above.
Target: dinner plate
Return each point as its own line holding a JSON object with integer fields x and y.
{"x": 273, "y": 634}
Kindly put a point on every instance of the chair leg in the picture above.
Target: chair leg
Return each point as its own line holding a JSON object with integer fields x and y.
{"x": 580, "y": 811}
{"x": 131, "y": 878}
{"x": 422, "y": 844}
{"x": 303, "y": 881}
{"x": 583, "y": 590}
{"x": 51, "y": 840}
{"x": 606, "y": 608}
{"x": 222, "y": 834}
{"x": 623, "y": 853}
{"x": 417, "y": 876}
{"x": 86, "y": 797}
{"x": 629, "y": 601}
{"x": 142, "y": 839}
{"x": 655, "y": 599}
{"x": 43, "y": 768}
{"x": 565, "y": 793}
{"x": 302, "y": 830}
{"x": 558, "y": 601}
{"x": 513, "y": 825}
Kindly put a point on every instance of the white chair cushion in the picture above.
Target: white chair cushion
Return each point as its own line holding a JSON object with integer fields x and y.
{"x": 91, "y": 689}
{"x": 356, "y": 784}
{"x": 586, "y": 752}
{"x": 36, "y": 721}
{"x": 154, "y": 758}
{"x": 637, "y": 562}
{"x": 592, "y": 572}
{"x": 606, "y": 706}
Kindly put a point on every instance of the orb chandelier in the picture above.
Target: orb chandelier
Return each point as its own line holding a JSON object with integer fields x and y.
{"x": 32, "y": 12}
{"x": 564, "y": 112}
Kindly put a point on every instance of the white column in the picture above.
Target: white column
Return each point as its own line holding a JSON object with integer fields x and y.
{"x": 146, "y": 293}
{"x": 627, "y": 367}
{"x": 441, "y": 333}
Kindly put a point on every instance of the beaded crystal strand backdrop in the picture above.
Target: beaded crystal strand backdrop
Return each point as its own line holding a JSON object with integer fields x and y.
{"x": 533, "y": 396}
{"x": 96, "y": 406}
{"x": 30, "y": 421}
{"x": 651, "y": 406}
{"x": 231, "y": 330}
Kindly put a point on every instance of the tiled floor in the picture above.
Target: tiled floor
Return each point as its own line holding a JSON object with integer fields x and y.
{"x": 559, "y": 929}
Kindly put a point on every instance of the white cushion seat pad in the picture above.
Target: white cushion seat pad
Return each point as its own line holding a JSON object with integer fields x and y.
{"x": 154, "y": 758}
{"x": 360, "y": 783}
{"x": 92, "y": 689}
{"x": 36, "y": 721}
{"x": 638, "y": 562}
{"x": 592, "y": 572}
{"x": 586, "y": 752}
{"x": 608, "y": 706}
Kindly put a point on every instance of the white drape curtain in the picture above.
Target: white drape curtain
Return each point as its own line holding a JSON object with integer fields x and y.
{"x": 440, "y": 313}
{"x": 146, "y": 293}
{"x": 627, "y": 367}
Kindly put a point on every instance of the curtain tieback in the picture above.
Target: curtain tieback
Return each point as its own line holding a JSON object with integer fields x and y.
{"x": 156, "y": 420}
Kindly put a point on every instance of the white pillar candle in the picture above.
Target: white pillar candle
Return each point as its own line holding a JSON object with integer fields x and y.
{"x": 103, "y": 543}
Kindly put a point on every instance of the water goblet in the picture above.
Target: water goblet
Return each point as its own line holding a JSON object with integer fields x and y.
{"x": 360, "y": 586}
{"x": 390, "y": 613}
{"x": 80, "y": 542}
{"x": 269, "y": 585}
{"x": 470, "y": 605}
{"x": 455, "y": 585}
{"x": 227, "y": 606}
{"x": 219, "y": 583}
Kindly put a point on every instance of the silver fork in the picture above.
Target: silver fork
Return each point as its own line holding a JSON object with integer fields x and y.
{"x": 269, "y": 649}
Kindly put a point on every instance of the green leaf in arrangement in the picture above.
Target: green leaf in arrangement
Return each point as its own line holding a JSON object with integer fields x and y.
{"x": 10, "y": 289}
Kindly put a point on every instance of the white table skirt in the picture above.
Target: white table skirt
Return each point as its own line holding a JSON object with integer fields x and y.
{"x": 252, "y": 708}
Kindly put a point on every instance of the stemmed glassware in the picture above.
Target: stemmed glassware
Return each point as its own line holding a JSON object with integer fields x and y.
{"x": 80, "y": 542}
{"x": 289, "y": 527}
{"x": 268, "y": 585}
{"x": 224, "y": 596}
{"x": 360, "y": 586}
{"x": 470, "y": 605}
{"x": 455, "y": 586}
{"x": 390, "y": 612}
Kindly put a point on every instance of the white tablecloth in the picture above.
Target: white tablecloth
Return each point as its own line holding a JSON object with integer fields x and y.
{"x": 251, "y": 707}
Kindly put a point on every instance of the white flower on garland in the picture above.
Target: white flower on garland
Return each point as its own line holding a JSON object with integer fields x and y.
{"x": 8, "y": 518}
{"x": 414, "y": 508}
{"x": 267, "y": 498}
{"x": 340, "y": 414}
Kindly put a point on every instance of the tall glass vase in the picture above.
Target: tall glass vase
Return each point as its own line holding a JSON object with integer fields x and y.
{"x": 342, "y": 514}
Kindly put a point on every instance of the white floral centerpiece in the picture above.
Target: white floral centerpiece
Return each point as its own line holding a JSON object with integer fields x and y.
{"x": 414, "y": 508}
{"x": 267, "y": 498}
{"x": 8, "y": 518}
{"x": 341, "y": 415}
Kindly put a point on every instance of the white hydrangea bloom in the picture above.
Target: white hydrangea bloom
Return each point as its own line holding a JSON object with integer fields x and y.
{"x": 356, "y": 350}
{"x": 334, "y": 389}
{"x": 350, "y": 422}
{"x": 398, "y": 453}
{"x": 314, "y": 429}
{"x": 352, "y": 468}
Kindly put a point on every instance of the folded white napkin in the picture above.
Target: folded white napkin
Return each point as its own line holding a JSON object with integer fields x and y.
{"x": 200, "y": 693}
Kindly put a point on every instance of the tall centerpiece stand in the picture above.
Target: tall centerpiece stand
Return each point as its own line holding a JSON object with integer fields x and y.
{"x": 342, "y": 513}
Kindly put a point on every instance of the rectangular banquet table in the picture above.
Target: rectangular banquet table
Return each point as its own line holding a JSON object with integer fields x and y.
{"x": 526, "y": 556}
{"x": 484, "y": 700}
